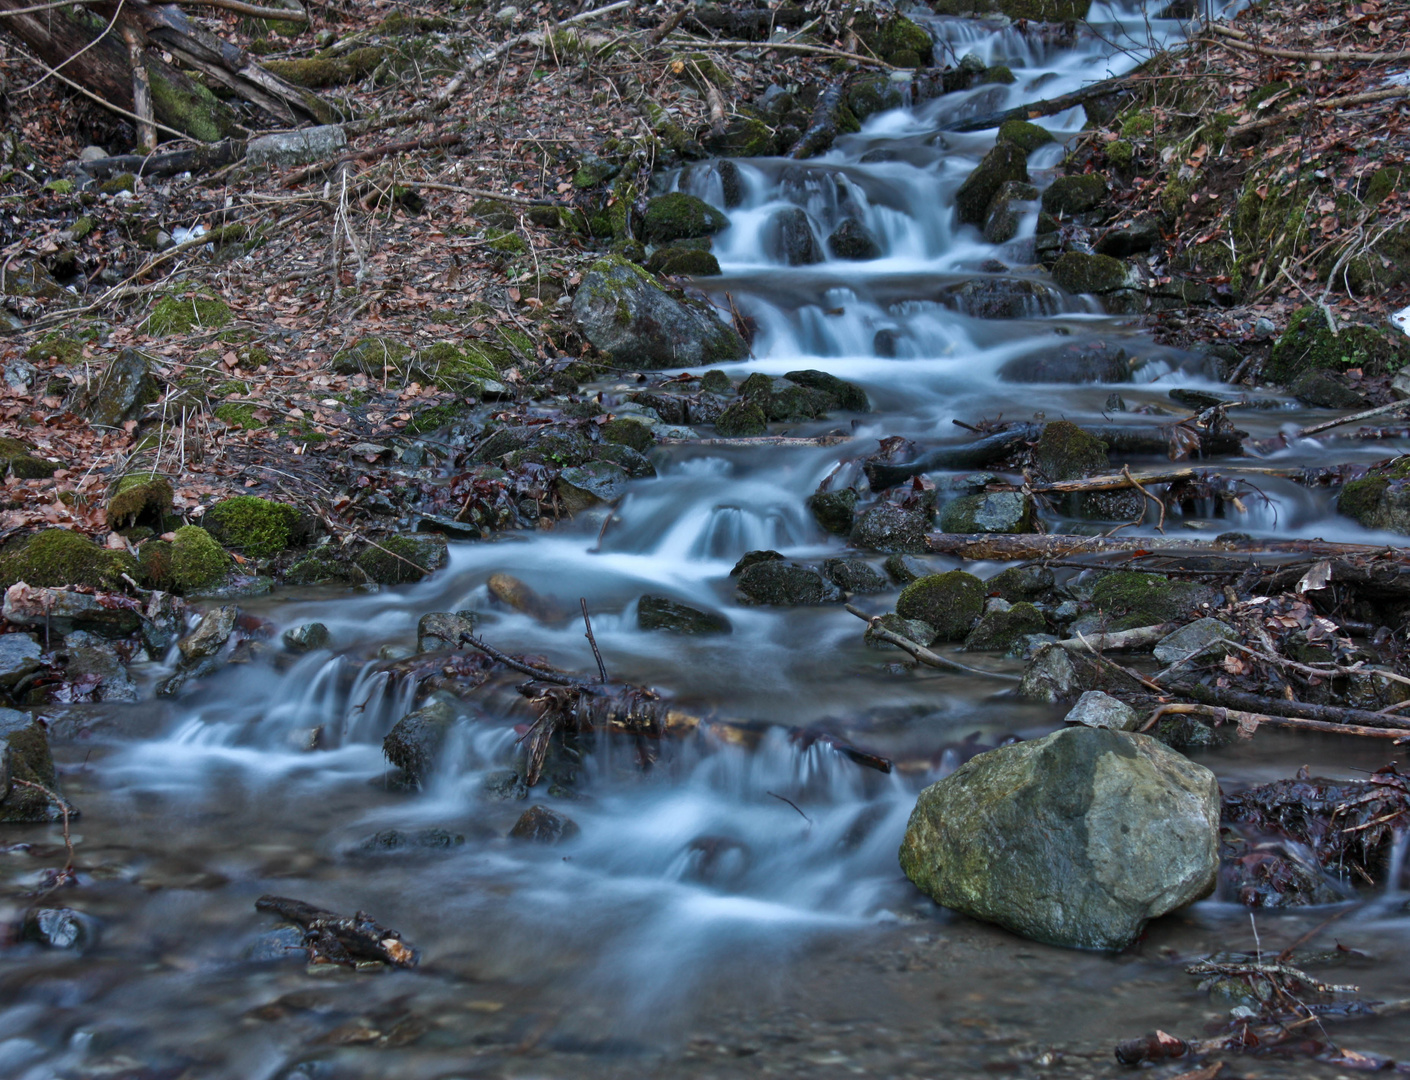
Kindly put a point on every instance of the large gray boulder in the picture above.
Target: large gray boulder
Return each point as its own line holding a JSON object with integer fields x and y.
{"x": 1076, "y": 839}
{"x": 623, "y": 311}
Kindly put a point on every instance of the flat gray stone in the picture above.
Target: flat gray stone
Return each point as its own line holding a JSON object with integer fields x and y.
{"x": 1098, "y": 710}
{"x": 1203, "y": 637}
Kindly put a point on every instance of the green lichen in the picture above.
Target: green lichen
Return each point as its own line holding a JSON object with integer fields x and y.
{"x": 999, "y": 73}
{"x": 256, "y": 527}
{"x": 139, "y": 497}
{"x": 181, "y": 313}
{"x": 949, "y": 602}
{"x": 1382, "y": 183}
{"x": 1138, "y": 125}
{"x": 375, "y": 356}
{"x": 197, "y": 561}
{"x": 124, "y": 181}
{"x": 434, "y": 418}
{"x": 56, "y": 558}
{"x": 190, "y": 107}
{"x": 21, "y": 461}
{"x": 699, "y": 70}
{"x": 59, "y": 187}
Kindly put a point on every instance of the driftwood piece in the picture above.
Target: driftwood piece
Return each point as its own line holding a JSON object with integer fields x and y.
{"x": 1249, "y": 722}
{"x": 1142, "y": 637}
{"x": 341, "y": 939}
{"x": 920, "y": 652}
{"x": 1335, "y": 715}
{"x": 196, "y": 160}
{"x": 1049, "y": 107}
{"x": 1009, "y": 547}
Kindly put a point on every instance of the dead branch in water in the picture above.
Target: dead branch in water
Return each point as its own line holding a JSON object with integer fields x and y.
{"x": 920, "y": 652}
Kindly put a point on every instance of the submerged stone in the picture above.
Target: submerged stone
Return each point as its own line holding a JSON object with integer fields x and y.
{"x": 780, "y": 583}
{"x": 993, "y": 512}
{"x": 541, "y": 825}
{"x": 662, "y": 613}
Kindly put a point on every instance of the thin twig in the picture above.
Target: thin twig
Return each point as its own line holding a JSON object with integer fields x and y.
{"x": 601, "y": 667}
{"x": 519, "y": 665}
{"x": 920, "y": 652}
{"x": 791, "y": 803}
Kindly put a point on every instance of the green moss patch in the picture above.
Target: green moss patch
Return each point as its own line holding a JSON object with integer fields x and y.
{"x": 180, "y": 314}
{"x": 256, "y": 527}
{"x": 1065, "y": 452}
{"x": 1309, "y": 344}
{"x": 56, "y": 558}
{"x": 197, "y": 561}
{"x": 139, "y": 498}
{"x": 401, "y": 560}
{"x": 154, "y": 565}
{"x": 56, "y": 346}
{"x": 1024, "y": 135}
{"x": 1132, "y": 599}
{"x": 21, "y": 461}
{"x": 678, "y": 216}
{"x": 949, "y": 602}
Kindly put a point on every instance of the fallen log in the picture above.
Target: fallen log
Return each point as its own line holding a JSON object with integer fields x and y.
{"x": 1250, "y": 722}
{"x": 920, "y": 652}
{"x": 1336, "y": 715}
{"x": 341, "y": 939}
{"x": 1142, "y": 637}
{"x": 196, "y": 160}
{"x": 1003, "y": 547}
{"x": 1049, "y": 107}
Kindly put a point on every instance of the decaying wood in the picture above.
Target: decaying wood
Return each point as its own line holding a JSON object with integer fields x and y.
{"x": 762, "y": 440}
{"x": 1336, "y": 715}
{"x": 1249, "y": 722}
{"x": 1142, "y": 637}
{"x": 340, "y": 939}
{"x": 1005, "y": 547}
{"x": 196, "y": 160}
{"x": 1298, "y": 108}
{"x": 1050, "y": 107}
{"x": 920, "y": 652}
{"x": 1327, "y": 425}
{"x": 1237, "y": 39}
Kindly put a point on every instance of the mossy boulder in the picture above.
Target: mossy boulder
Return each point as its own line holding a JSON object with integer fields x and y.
{"x": 1003, "y": 163}
{"x": 627, "y": 432}
{"x": 154, "y": 564}
{"x": 780, "y": 583}
{"x": 1079, "y": 273}
{"x": 1002, "y": 624}
{"x": 197, "y": 561}
{"x": 25, "y": 748}
{"x": 834, "y": 509}
{"x": 891, "y": 528}
{"x": 901, "y": 42}
{"x": 853, "y": 240}
{"x": 401, "y": 560}
{"x": 328, "y": 69}
{"x": 676, "y": 261}
{"x": 20, "y": 461}
{"x": 1020, "y": 583}
{"x": 1131, "y": 599}
{"x": 678, "y": 216}
{"x": 1381, "y": 498}
{"x": 991, "y": 512}
{"x": 59, "y": 346}
{"x": 848, "y": 396}
{"x": 1069, "y": 195}
{"x": 181, "y": 313}
{"x": 949, "y": 602}
{"x": 375, "y": 356}
{"x": 56, "y": 558}
{"x": 1024, "y": 135}
{"x": 1065, "y": 452}
{"x": 1309, "y": 344}
{"x": 259, "y": 528}
{"x": 626, "y": 313}
{"x": 415, "y": 741}
{"x": 741, "y": 420}
{"x": 744, "y": 136}
{"x": 139, "y": 499}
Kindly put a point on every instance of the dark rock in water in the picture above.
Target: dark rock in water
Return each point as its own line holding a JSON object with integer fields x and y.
{"x": 1379, "y": 500}
{"x": 624, "y": 431}
{"x": 1187, "y": 733}
{"x": 1002, "y": 624}
{"x": 634, "y": 463}
{"x": 1102, "y": 831}
{"x": 787, "y": 401}
{"x": 97, "y": 666}
{"x": 1066, "y": 452}
{"x": 284, "y": 943}
{"x": 1003, "y": 163}
{"x": 922, "y": 633}
{"x": 716, "y": 381}
{"x": 994, "y": 512}
{"x": 1003, "y": 298}
{"x": 1053, "y": 674}
{"x": 661, "y": 613}
{"x": 1096, "y": 709}
{"x": 307, "y": 638}
{"x": 731, "y": 181}
{"x": 1324, "y": 390}
{"x": 678, "y": 216}
{"x": 416, "y": 739}
{"x": 849, "y": 396}
{"x": 891, "y": 528}
{"x": 585, "y": 486}
{"x": 749, "y": 558}
{"x": 1020, "y": 583}
{"x": 503, "y": 785}
{"x": 779, "y": 583}
{"x": 834, "y": 509}
{"x": 211, "y": 633}
{"x": 852, "y": 240}
{"x": 1097, "y": 362}
{"x": 743, "y": 419}
{"x": 390, "y": 840}
{"x": 1069, "y": 195}
{"x": 789, "y": 238}
{"x": 1128, "y": 238}
{"x": 885, "y": 342}
{"x": 401, "y": 560}
{"x": 125, "y": 386}
{"x": 1079, "y": 273}
{"x": 59, "y": 928}
{"x": 438, "y": 630}
{"x": 541, "y": 825}
{"x": 1026, "y": 136}
{"x": 624, "y": 311}
{"x": 950, "y": 602}
{"x": 19, "y": 656}
{"x": 24, "y": 755}
{"x": 904, "y": 569}
{"x": 1130, "y": 599}
{"x": 854, "y": 576}
{"x": 1006, "y": 209}
{"x": 668, "y": 407}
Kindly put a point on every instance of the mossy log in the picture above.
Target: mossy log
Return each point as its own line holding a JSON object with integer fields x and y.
{"x": 1010, "y": 548}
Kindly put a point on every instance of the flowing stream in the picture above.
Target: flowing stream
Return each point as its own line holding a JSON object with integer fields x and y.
{"x": 734, "y": 909}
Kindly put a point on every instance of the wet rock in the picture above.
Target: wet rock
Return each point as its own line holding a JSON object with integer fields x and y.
{"x": 1101, "y": 832}
{"x": 1381, "y": 498}
{"x": 716, "y": 381}
{"x": 540, "y": 825}
{"x": 716, "y": 860}
{"x": 786, "y": 401}
{"x": 848, "y": 396}
{"x": 401, "y": 560}
{"x": 1026, "y": 136}
{"x": 891, "y": 528}
{"x": 993, "y": 512}
{"x": 678, "y": 216}
{"x": 749, "y": 558}
{"x": 423, "y": 840}
{"x": 19, "y": 656}
{"x": 636, "y": 465}
{"x": 625, "y": 431}
{"x": 59, "y": 928}
{"x": 671, "y": 409}
{"x": 1201, "y": 638}
{"x": 1071, "y": 195}
{"x": 903, "y": 569}
{"x": 1130, "y": 599}
{"x": 834, "y": 509}
{"x": 625, "y": 312}
{"x": 950, "y": 602}
{"x": 1020, "y": 583}
{"x": 1065, "y": 452}
{"x": 1078, "y": 273}
{"x": 585, "y": 486}
{"x": 516, "y": 594}
{"x": 96, "y": 672}
{"x": 60, "y": 611}
{"x": 789, "y": 238}
{"x": 1129, "y": 238}
{"x": 779, "y": 583}
{"x": 662, "y": 613}
{"x": 922, "y": 633}
{"x": 437, "y": 630}
{"x": 23, "y": 463}
{"x": 211, "y": 633}
{"x": 1003, "y": 298}
{"x": 24, "y": 755}
{"x": 1002, "y": 624}
{"x": 303, "y": 147}
{"x": 854, "y": 576}
{"x": 1073, "y": 364}
{"x": 851, "y": 240}
{"x": 119, "y": 394}
{"x": 1006, "y": 209}
{"x": 416, "y": 739}
{"x": 743, "y": 419}
{"x": 1308, "y": 343}
{"x": 1003, "y": 163}
{"x": 1323, "y": 390}
{"x": 1053, "y": 674}
{"x": 1096, "y": 709}
{"x": 503, "y": 785}
{"x": 1186, "y": 733}
{"x": 307, "y": 637}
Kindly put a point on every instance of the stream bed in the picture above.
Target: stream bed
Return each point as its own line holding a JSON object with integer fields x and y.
{"x": 732, "y": 910}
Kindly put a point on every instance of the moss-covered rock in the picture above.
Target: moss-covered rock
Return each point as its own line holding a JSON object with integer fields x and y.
{"x": 378, "y": 357}
{"x": 1078, "y": 273}
{"x": 834, "y": 509}
{"x": 991, "y": 512}
{"x": 627, "y": 432}
{"x": 1131, "y": 599}
{"x": 139, "y": 499}
{"x": 853, "y": 240}
{"x": 20, "y": 460}
{"x": 1308, "y": 344}
{"x": 1381, "y": 498}
{"x": 400, "y": 560}
{"x": 56, "y": 558}
{"x": 25, "y": 748}
{"x": 59, "y": 346}
{"x": 1002, "y": 624}
{"x": 678, "y": 216}
{"x": 1020, "y": 583}
{"x": 744, "y": 136}
{"x": 950, "y": 602}
{"x": 742, "y": 419}
{"x": 328, "y": 69}
{"x": 677, "y": 261}
{"x": 1069, "y": 195}
{"x": 901, "y": 42}
{"x": 1065, "y": 452}
{"x": 154, "y": 565}
{"x": 259, "y": 528}
{"x": 1024, "y": 135}
{"x": 197, "y": 561}
{"x": 120, "y": 393}
{"x": 1003, "y": 163}
{"x": 180, "y": 313}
